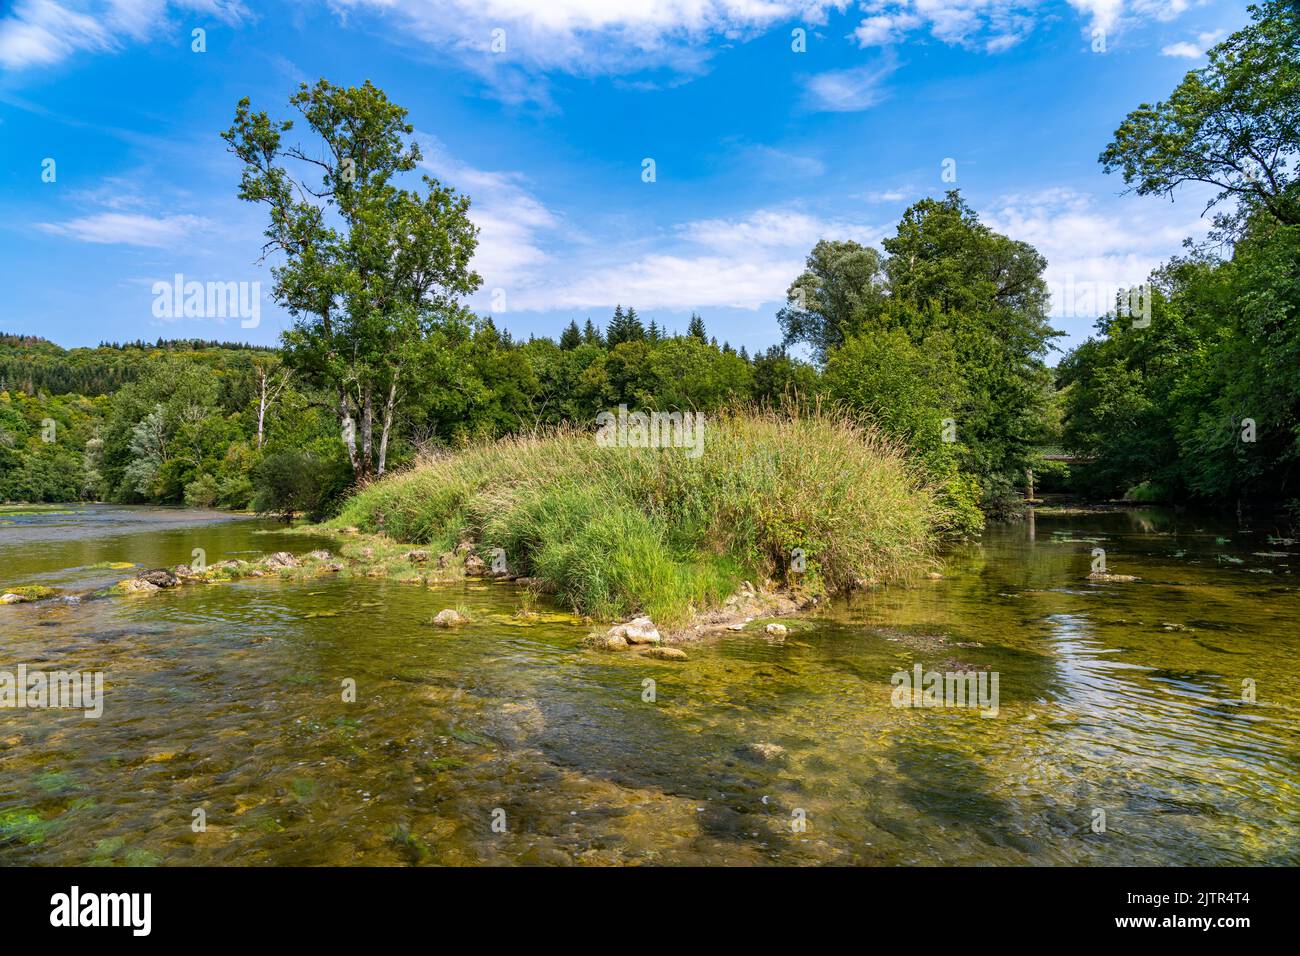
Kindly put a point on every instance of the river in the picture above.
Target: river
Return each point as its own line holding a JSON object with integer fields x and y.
{"x": 1147, "y": 722}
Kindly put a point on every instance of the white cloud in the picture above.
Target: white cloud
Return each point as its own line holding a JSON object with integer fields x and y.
{"x": 1110, "y": 15}
{"x": 131, "y": 229}
{"x": 993, "y": 25}
{"x": 1191, "y": 50}
{"x": 1094, "y": 246}
{"x": 882, "y": 29}
{"x": 844, "y": 91}
{"x": 744, "y": 263}
{"x": 882, "y": 195}
{"x": 514, "y": 225}
{"x": 581, "y": 37}
{"x": 45, "y": 32}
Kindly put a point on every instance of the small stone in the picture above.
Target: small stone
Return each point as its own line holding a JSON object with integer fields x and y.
{"x": 475, "y": 566}
{"x": 445, "y": 559}
{"x": 776, "y": 630}
{"x": 321, "y": 555}
{"x": 666, "y": 653}
{"x": 281, "y": 559}
{"x": 418, "y": 556}
{"x": 465, "y": 547}
{"x": 763, "y": 751}
{"x": 934, "y": 576}
{"x": 449, "y": 618}
{"x": 607, "y": 642}
{"x": 11, "y": 598}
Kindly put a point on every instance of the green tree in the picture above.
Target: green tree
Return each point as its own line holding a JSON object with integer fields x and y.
{"x": 624, "y": 327}
{"x": 841, "y": 288}
{"x": 571, "y": 337}
{"x": 1234, "y": 124}
{"x": 368, "y": 270}
{"x": 696, "y": 328}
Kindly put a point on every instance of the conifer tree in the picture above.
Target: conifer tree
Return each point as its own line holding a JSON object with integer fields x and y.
{"x": 571, "y": 337}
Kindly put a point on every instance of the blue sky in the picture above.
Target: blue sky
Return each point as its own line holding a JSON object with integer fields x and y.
{"x": 759, "y": 150}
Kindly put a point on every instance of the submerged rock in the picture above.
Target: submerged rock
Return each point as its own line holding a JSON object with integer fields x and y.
{"x": 776, "y": 630}
{"x": 763, "y": 751}
{"x": 607, "y": 642}
{"x": 28, "y": 592}
{"x": 1107, "y": 576}
{"x": 449, "y": 617}
{"x": 667, "y": 653}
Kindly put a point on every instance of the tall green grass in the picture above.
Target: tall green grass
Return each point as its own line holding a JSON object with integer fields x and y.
{"x": 617, "y": 531}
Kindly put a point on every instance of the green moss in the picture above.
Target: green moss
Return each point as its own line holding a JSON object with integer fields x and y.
{"x": 24, "y": 826}
{"x": 30, "y": 592}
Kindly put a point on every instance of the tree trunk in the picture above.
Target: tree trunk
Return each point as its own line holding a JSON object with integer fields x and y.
{"x": 261, "y": 405}
{"x": 388, "y": 424}
{"x": 367, "y": 431}
{"x": 348, "y": 429}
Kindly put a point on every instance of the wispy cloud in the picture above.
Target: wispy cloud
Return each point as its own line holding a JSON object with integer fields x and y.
{"x": 45, "y": 32}
{"x": 850, "y": 90}
{"x": 1110, "y": 15}
{"x": 130, "y": 229}
{"x": 1091, "y": 242}
{"x": 745, "y": 262}
{"x": 511, "y": 43}
{"x": 515, "y": 227}
{"x": 991, "y": 25}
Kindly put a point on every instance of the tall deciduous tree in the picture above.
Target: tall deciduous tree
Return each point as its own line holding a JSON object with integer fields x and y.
{"x": 1234, "y": 124}
{"x": 368, "y": 269}
{"x": 842, "y": 285}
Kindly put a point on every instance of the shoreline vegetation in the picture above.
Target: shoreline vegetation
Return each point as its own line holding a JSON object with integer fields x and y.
{"x": 806, "y": 505}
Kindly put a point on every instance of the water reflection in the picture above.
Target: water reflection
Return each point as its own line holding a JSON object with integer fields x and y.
{"x": 1124, "y": 698}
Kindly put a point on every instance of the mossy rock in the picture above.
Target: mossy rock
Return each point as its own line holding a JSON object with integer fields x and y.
{"x": 25, "y": 593}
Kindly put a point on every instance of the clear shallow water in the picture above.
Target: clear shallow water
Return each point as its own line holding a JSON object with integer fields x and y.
{"x": 1119, "y": 697}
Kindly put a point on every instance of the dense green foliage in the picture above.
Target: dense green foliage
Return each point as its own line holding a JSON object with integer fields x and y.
{"x": 616, "y": 530}
{"x": 1233, "y": 124}
{"x": 941, "y": 342}
{"x": 372, "y": 272}
{"x": 1203, "y": 403}
{"x": 183, "y": 426}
